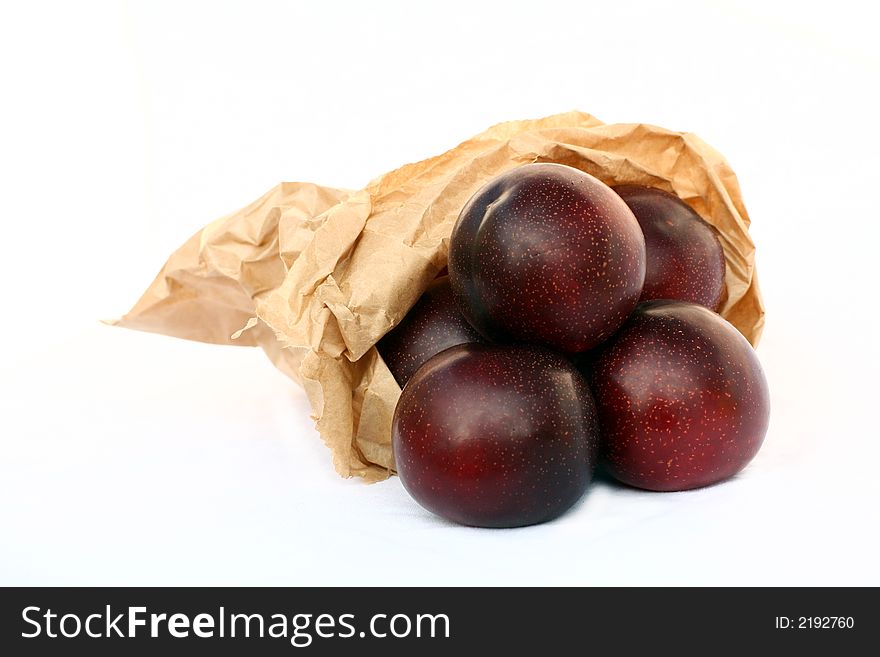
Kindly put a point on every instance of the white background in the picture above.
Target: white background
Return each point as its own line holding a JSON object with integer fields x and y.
{"x": 130, "y": 458}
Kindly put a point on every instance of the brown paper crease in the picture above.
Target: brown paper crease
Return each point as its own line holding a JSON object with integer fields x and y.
{"x": 316, "y": 275}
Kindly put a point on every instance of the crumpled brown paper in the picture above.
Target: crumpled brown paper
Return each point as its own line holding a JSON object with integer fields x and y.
{"x": 316, "y": 275}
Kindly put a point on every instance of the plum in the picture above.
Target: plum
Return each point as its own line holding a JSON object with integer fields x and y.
{"x": 433, "y": 324}
{"x": 681, "y": 396}
{"x": 685, "y": 259}
{"x": 496, "y": 436}
{"x": 547, "y": 254}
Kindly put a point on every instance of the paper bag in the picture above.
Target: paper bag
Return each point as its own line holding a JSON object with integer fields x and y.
{"x": 316, "y": 275}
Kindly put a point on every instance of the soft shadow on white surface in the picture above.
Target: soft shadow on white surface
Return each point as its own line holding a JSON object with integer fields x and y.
{"x": 136, "y": 459}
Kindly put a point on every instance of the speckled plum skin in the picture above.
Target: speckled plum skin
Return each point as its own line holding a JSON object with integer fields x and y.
{"x": 547, "y": 254}
{"x": 433, "y": 324}
{"x": 682, "y": 399}
{"x": 685, "y": 258}
{"x": 496, "y": 436}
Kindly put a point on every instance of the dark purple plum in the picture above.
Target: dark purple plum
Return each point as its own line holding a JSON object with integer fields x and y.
{"x": 685, "y": 259}
{"x": 433, "y": 324}
{"x": 682, "y": 398}
{"x": 496, "y": 436}
{"x": 547, "y": 254}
